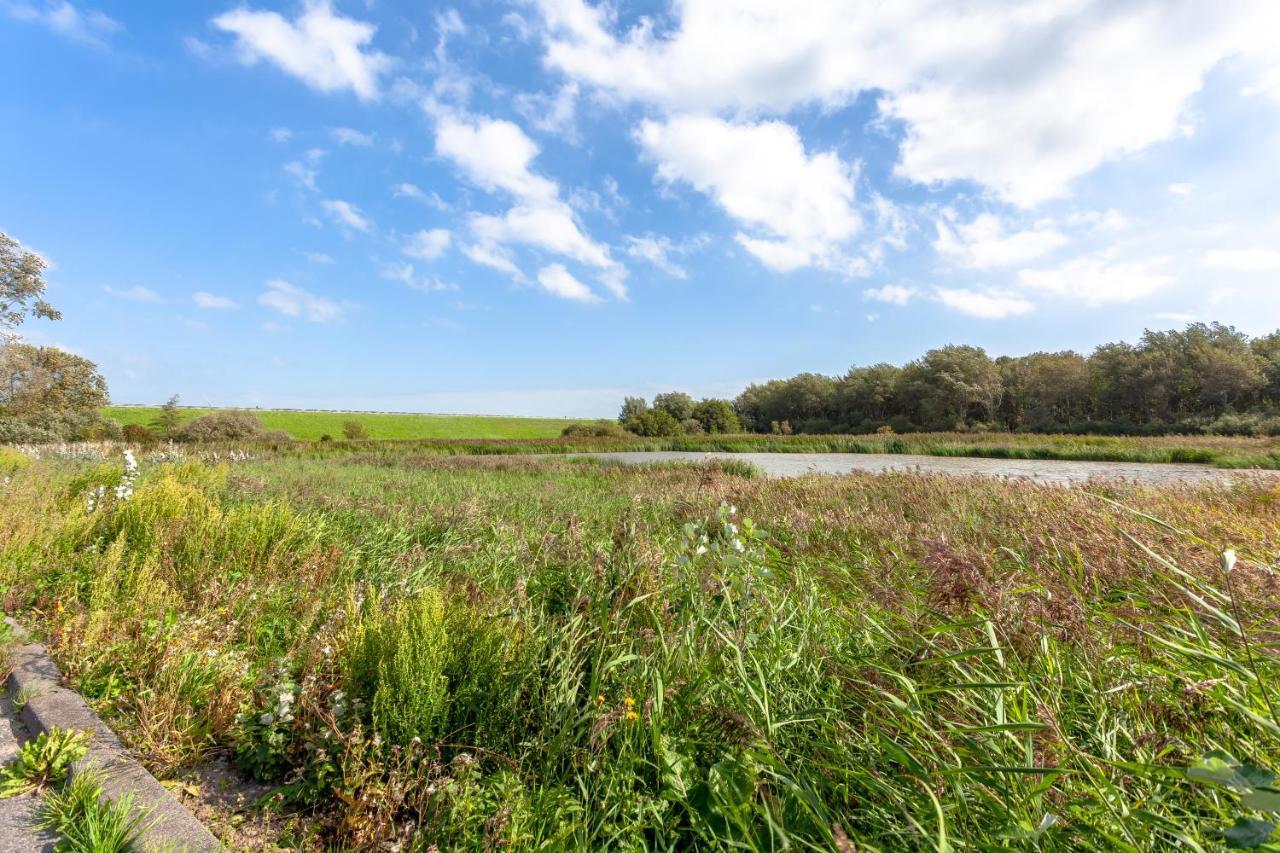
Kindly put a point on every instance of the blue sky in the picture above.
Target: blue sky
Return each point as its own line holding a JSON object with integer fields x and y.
{"x": 538, "y": 206}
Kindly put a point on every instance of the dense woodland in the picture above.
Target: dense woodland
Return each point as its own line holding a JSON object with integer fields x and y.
{"x": 1206, "y": 378}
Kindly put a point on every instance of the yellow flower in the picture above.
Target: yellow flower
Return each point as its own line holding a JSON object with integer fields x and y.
{"x": 629, "y": 702}
{"x": 631, "y": 716}
{"x": 600, "y": 699}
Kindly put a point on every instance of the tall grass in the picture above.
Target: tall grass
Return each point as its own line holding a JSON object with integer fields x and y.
{"x": 533, "y": 653}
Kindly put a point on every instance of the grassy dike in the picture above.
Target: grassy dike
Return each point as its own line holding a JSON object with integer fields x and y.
{"x": 309, "y": 426}
{"x": 511, "y": 652}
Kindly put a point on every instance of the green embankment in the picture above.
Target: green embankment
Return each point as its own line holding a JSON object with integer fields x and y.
{"x": 312, "y": 425}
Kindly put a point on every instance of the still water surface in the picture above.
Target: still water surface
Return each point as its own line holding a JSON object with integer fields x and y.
{"x": 1040, "y": 470}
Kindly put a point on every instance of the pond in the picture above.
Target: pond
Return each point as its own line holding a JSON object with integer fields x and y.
{"x": 1053, "y": 471}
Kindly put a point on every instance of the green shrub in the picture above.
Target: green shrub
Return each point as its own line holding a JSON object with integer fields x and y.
{"x": 353, "y": 430}
{"x": 595, "y": 429}
{"x": 396, "y": 662}
{"x": 655, "y": 422}
{"x": 229, "y": 425}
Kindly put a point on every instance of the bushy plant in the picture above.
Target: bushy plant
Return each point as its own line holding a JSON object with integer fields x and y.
{"x": 354, "y": 430}
{"x": 595, "y": 429}
{"x": 654, "y": 422}
{"x": 44, "y": 761}
{"x": 227, "y": 425}
{"x": 396, "y": 660}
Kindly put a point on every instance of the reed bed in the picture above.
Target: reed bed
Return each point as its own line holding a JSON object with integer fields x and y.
{"x": 421, "y": 650}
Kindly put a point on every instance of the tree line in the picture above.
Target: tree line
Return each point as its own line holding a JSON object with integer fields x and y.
{"x": 1205, "y": 378}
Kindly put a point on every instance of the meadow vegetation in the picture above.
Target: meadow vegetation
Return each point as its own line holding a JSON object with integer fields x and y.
{"x": 555, "y": 653}
{"x": 311, "y": 426}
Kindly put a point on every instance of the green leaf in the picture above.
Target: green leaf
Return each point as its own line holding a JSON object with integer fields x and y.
{"x": 1263, "y": 800}
{"x": 1247, "y": 833}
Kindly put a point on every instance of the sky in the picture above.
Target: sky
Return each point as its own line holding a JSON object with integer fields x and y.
{"x": 536, "y": 207}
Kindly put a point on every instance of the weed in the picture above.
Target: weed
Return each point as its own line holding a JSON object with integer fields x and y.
{"x": 87, "y": 823}
{"x": 43, "y": 761}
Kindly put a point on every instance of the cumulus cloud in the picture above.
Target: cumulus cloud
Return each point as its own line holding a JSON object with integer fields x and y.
{"x": 894, "y": 294}
{"x": 494, "y": 154}
{"x": 347, "y": 215}
{"x": 1097, "y": 279}
{"x": 87, "y": 26}
{"x": 1020, "y": 97}
{"x": 497, "y": 156}
{"x": 985, "y": 242}
{"x": 351, "y": 136}
{"x": 557, "y": 280}
{"x": 212, "y": 301}
{"x": 657, "y": 251}
{"x": 320, "y": 47}
{"x": 983, "y": 304}
{"x": 427, "y": 244}
{"x": 292, "y": 301}
{"x": 795, "y": 208}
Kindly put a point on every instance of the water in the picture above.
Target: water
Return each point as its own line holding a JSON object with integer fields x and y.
{"x": 1058, "y": 472}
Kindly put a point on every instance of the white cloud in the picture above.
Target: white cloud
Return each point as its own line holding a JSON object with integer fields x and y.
{"x": 984, "y": 243}
{"x": 494, "y": 257}
{"x": 212, "y": 301}
{"x": 985, "y": 305}
{"x": 280, "y": 134}
{"x": 416, "y": 193}
{"x": 318, "y": 258}
{"x": 798, "y": 207}
{"x": 427, "y": 244}
{"x": 494, "y": 154}
{"x": 1243, "y": 260}
{"x": 497, "y": 155}
{"x": 894, "y": 294}
{"x": 302, "y": 173}
{"x": 293, "y": 301}
{"x": 1182, "y": 190}
{"x": 1177, "y": 317}
{"x": 550, "y": 226}
{"x": 551, "y": 113}
{"x": 555, "y": 279}
{"x": 1020, "y": 97}
{"x": 350, "y": 136}
{"x": 87, "y": 27}
{"x": 347, "y": 215}
{"x": 1097, "y": 279}
{"x": 137, "y": 293}
{"x": 320, "y": 47}
{"x": 657, "y": 251}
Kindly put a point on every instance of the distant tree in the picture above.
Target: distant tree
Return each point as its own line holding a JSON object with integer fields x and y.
{"x": 167, "y": 420}
{"x": 717, "y": 416}
{"x": 655, "y": 422}
{"x": 952, "y": 387}
{"x": 675, "y": 403}
{"x": 354, "y": 430}
{"x": 1268, "y": 351}
{"x": 21, "y": 285}
{"x": 47, "y": 393}
{"x": 692, "y": 426}
{"x": 632, "y": 407}
{"x": 864, "y": 398}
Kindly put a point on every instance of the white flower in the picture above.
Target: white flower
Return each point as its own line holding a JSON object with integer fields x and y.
{"x": 702, "y": 549}
{"x": 1228, "y": 560}
{"x": 267, "y": 719}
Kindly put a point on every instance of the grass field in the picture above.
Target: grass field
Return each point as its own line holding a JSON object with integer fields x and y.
{"x": 556, "y": 654}
{"x": 311, "y": 425}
